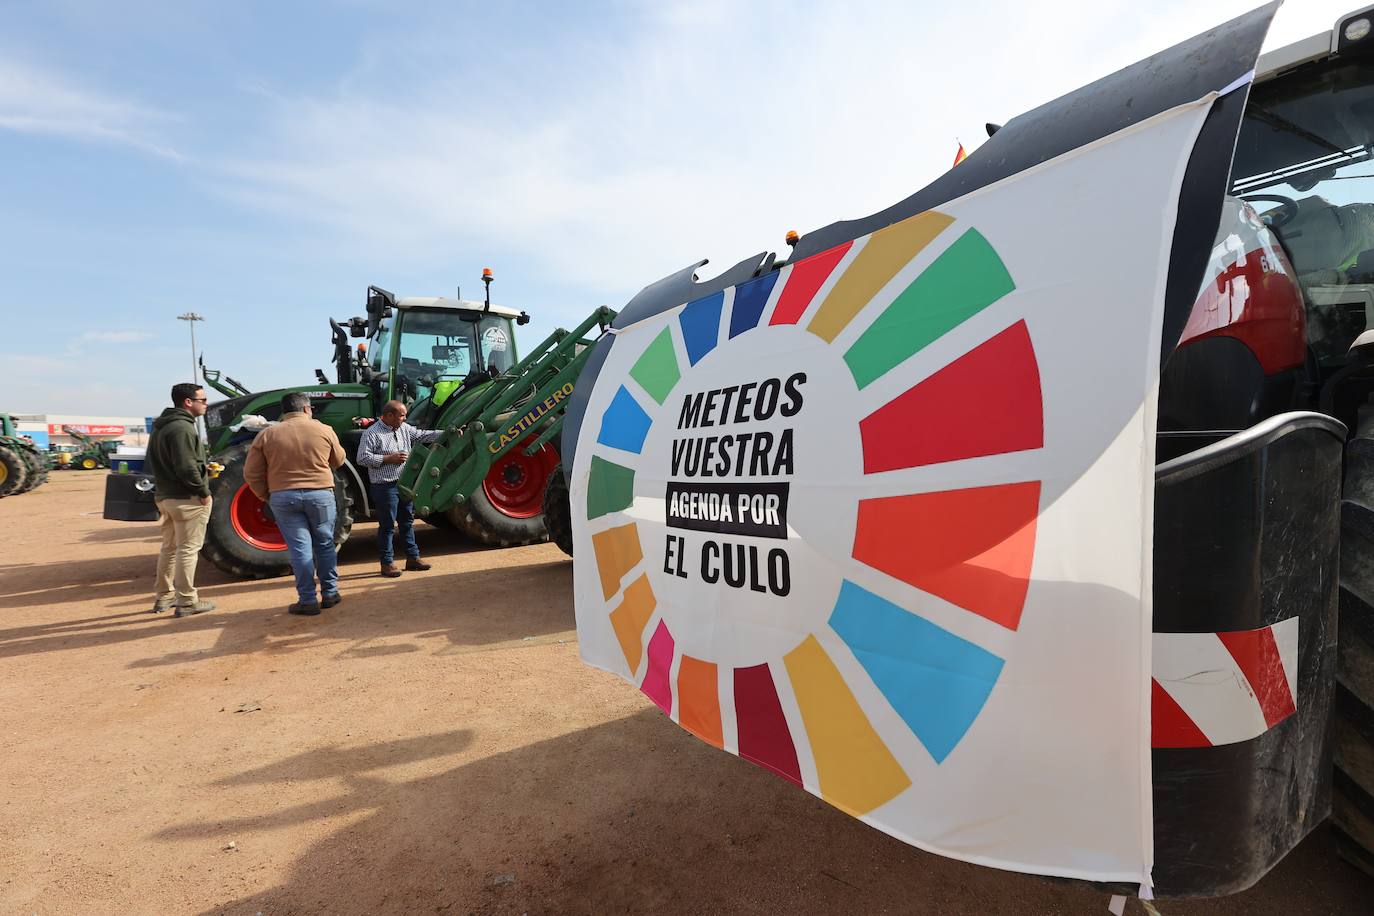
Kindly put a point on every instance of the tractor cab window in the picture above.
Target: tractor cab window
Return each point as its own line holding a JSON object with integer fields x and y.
{"x": 497, "y": 343}
{"x": 1305, "y": 161}
{"x": 432, "y": 346}
{"x": 381, "y": 348}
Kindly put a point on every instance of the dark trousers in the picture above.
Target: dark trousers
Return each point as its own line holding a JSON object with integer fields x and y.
{"x": 393, "y": 511}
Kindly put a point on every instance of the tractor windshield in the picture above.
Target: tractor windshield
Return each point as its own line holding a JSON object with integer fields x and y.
{"x": 1304, "y": 160}
{"x": 440, "y": 344}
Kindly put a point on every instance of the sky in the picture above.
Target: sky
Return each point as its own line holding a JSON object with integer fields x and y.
{"x": 263, "y": 163}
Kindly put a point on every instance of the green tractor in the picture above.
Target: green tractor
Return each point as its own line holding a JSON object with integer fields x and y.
{"x": 93, "y": 453}
{"x": 22, "y": 465}
{"x": 454, "y": 363}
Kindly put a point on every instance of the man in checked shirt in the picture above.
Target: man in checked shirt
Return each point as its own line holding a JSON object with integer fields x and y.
{"x": 384, "y": 449}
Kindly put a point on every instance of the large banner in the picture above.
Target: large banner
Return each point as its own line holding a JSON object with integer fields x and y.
{"x": 880, "y": 521}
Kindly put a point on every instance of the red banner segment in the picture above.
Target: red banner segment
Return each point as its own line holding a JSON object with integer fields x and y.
{"x": 987, "y": 402}
{"x": 764, "y": 737}
{"x": 808, "y": 276}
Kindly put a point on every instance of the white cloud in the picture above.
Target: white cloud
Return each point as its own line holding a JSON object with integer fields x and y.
{"x": 617, "y": 161}
{"x": 117, "y": 337}
{"x": 37, "y": 101}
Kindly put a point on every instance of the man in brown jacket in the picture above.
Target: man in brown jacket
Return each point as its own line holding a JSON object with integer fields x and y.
{"x": 290, "y": 466}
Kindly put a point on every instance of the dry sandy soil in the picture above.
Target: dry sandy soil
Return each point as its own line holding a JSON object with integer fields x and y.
{"x": 433, "y": 744}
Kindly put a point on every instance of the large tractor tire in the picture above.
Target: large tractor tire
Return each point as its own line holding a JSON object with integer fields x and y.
{"x": 1353, "y": 796}
{"x": 13, "y": 471}
{"x": 37, "y": 470}
{"x": 507, "y": 510}
{"x": 241, "y": 538}
{"x": 558, "y": 511}
{"x": 87, "y": 463}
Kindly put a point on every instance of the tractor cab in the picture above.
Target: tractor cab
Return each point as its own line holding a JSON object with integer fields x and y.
{"x": 1305, "y": 161}
{"x": 428, "y": 347}
{"x": 1290, "y": 285}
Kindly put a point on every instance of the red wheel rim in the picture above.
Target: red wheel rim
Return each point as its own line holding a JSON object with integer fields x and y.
{"x": 515, "y": 483}
{"x": 245, "y": 512}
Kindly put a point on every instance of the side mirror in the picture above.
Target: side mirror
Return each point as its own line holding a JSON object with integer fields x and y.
{"x": 379, "y": 305}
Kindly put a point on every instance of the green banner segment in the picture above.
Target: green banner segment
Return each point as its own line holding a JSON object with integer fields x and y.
{"x": 960, "y": 283}
{"x": 656, "y": 370}
{"x": 610, "y": 489}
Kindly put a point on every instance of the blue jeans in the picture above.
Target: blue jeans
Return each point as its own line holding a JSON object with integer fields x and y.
{"x": 306, "y": 520}
{"x": 392, "y": 512}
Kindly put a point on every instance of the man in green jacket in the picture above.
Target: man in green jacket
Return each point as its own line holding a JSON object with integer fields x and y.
{"x": 177, "y": 458}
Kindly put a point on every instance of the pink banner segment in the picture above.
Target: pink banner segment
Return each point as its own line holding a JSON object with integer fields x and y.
{"x": 657, "y": 685}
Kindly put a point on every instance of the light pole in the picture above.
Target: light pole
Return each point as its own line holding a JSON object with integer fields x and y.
{"x": 192, "y": 318}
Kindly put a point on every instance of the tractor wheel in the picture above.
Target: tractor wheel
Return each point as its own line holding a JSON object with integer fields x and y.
{"x": 37, "y": 468}
{"x": 507, "y": 510}
{"x": 558, "y": 511}
{"x": 1353, "y": 796}
{"x": 89, "y": 464}
{"x": 240, "y": 538}
{"x": 36, "y": 474}
{"x": 12, "y": 471}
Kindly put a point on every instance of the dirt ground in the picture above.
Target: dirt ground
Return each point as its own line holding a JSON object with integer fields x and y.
{"x": 433, "y": 744}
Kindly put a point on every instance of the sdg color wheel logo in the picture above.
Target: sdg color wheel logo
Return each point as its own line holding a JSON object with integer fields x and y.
{"x": 770, "y": 513}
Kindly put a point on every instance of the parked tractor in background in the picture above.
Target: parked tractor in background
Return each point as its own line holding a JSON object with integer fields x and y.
{"x": 454, "y": 363}
{"x": 22, "y": 465}
{"x": 92, "y": 453}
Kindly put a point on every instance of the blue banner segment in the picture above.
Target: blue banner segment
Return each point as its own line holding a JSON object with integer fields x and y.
{"x": 624, "y": 424}
{"x": 936, "y": 681}
{"x": 700, "y": 322}
{"x": 750, "y": 298}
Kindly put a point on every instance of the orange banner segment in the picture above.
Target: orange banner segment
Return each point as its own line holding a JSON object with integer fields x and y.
{"x": 971, "y": 547}
{"x": 617, "y": 551}
{"x": 698, "y": 700}
{"x": 629, "y": 619}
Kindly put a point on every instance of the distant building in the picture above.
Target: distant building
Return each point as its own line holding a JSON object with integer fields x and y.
{"x": 48, "y": 429}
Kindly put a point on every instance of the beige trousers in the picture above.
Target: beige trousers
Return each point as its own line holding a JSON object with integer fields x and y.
{"x": 183, "y": 532}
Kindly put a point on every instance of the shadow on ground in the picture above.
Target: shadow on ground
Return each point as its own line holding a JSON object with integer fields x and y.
{"x": 653, "y": 821}
{"x": 463, "y": 609}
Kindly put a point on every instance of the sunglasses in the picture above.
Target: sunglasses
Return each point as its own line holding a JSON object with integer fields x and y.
{"x": 201, "y": 400}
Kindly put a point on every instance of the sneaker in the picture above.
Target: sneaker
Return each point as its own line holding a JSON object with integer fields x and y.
{"x": 415, "y": 564}
{"x": 304, "y": 609}
{"x": 200, "y": 607}
{"x": 330, "y": 600}
{"x": 159, "y": 606}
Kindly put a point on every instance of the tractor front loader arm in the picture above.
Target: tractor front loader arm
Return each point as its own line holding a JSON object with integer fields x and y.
{"x": 523, "y": 408}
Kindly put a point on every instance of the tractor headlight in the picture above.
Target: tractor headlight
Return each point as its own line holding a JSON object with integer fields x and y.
{"x": 1357, "y": 29}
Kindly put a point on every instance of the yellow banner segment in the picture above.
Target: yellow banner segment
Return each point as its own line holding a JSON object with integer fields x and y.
{"x": 856, "y": 770}
{"x": 888, "y": 251}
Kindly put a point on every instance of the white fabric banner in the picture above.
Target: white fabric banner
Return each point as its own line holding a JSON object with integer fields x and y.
{"x": 880, "y": 521}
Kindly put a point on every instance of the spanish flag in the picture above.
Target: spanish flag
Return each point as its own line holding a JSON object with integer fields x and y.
{"x": 961, "y": 155}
